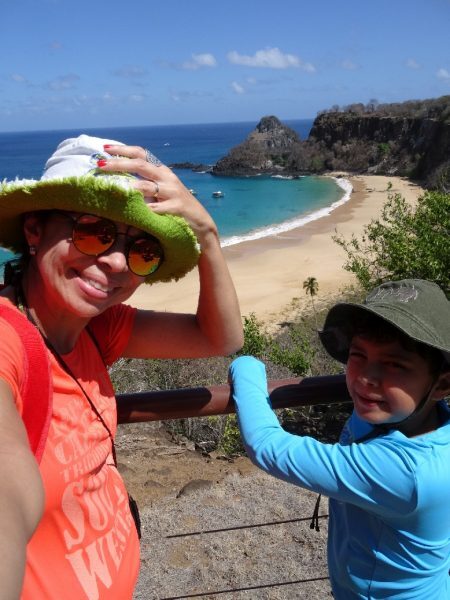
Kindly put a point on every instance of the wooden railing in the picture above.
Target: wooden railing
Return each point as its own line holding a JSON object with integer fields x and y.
{"x": 217, "y": 400}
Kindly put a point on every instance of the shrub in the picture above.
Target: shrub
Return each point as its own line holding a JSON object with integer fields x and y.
{"x": 292, "y": 350}
{"x": 231, "y": 443}
{"x": 296, "y": 355}
{"x": 256, "y": 341}
{"x": 406, "y": 242}
{"x": 383, "y": 149}
{"x": 440, "y": 178}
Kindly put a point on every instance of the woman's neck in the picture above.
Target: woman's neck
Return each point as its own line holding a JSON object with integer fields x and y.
{"x": 59, "y": 327}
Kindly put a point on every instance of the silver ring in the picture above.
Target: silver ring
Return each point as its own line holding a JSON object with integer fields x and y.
{"x": 151, "y": 158}
{"x": 156, "y": 192}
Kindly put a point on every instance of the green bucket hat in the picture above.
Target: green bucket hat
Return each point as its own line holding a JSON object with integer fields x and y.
{"x": 72, "y": 182}
{"x": 416, "y": 307}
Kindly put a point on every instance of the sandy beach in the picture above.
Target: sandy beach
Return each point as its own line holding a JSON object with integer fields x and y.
{"x": 269, "y": 272}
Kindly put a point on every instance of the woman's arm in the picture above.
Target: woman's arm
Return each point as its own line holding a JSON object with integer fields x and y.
{"x": 21, "y": 497}
{"x": 216, "y": 328}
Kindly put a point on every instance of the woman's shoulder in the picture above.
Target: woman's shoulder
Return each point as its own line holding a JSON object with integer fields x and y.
{"x": 11, "y": 318}
{"x": 13, "y": 357}
{"x": 111, "y": 316}
{"x": 111, "y": 331}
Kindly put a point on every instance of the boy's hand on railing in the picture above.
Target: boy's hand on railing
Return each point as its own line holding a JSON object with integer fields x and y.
{"x": 246, "y": 375}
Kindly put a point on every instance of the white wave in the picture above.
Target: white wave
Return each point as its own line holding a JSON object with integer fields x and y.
{"x": 287, "y": 176}
{"x": 257, "y": 234}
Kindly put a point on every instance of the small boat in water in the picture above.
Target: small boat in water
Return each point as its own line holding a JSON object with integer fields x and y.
{"x": 218, "y": 194}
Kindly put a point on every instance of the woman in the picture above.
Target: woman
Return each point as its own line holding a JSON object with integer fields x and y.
{"x": 103, "y": 219}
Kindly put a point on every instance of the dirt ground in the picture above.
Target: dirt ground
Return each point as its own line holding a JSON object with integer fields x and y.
{"x": 265, "y": 548}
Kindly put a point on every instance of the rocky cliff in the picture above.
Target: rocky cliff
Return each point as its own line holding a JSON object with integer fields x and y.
{"x": 409, "y": 139}
{"x": 390, "y": 145}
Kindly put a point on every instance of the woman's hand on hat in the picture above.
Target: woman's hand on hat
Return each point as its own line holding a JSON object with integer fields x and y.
{"x": 163, "y": 191}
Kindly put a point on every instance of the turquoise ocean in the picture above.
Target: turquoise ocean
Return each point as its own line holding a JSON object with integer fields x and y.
{"x": 250, "y": 208}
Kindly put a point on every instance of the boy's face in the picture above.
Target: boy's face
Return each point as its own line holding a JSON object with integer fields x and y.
{"x": 385, "y": 381}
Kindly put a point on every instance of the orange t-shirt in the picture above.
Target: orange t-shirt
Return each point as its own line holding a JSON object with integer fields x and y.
{"x": 86, "y": 545}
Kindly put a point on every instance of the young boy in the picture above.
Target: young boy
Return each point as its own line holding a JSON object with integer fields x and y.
{"x": 388, "y": 478}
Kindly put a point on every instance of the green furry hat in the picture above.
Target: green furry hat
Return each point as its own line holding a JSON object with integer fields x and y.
{"x": 72, "y": 182}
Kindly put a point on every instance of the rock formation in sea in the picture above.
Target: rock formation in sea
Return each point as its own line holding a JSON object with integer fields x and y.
{"x": 196, "y": 167}
{"x": 410, "y": 139}
{"x": 266, "y": 150}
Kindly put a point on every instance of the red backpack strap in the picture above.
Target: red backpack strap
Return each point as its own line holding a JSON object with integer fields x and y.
{"x": 36, "y": 389}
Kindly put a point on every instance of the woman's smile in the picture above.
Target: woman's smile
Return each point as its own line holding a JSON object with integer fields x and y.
{"x": 89, "y": 283}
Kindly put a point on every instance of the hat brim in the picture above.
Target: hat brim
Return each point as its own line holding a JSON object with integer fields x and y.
{"x": 337, "y": 343}
{"x": 103, "y": 198}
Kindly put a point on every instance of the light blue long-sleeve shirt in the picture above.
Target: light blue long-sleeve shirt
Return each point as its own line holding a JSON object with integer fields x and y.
{"x": 389, "y": 530}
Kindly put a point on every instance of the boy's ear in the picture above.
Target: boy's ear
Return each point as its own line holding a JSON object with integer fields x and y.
{"x": 442, "y": 387}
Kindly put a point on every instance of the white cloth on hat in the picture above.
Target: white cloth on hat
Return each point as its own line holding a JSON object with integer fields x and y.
{"x": 77, "y": 157}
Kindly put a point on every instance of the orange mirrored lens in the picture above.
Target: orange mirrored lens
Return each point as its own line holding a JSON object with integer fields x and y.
{"x": 145, "y": 256}
{"x": 93, "y": 235}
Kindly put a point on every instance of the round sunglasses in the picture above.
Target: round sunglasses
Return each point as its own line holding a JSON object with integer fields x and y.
{"x": 93, "y": 236}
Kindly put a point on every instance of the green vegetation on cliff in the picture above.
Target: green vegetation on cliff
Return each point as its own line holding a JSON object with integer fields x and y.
{"x": 410, "y": 139}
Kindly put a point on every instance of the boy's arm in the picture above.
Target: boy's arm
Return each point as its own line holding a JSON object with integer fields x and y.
{"x": 21, "y": 498}
{"x": 364, "y": 474}
{"x": 277, "y": 452}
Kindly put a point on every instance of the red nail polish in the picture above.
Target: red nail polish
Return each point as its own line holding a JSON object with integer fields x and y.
{"x": 101, "y": 162}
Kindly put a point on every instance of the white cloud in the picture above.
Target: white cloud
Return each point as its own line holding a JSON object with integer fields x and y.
{"x": 443, "y": 74}
{"x": 412, "y": 64}
{"x": 236, "y": 87}
{"x": 18, "y": 78}
{"x": 270, "y": 58}
{"x": 73, "y": 103}
{"x": 204, "y": 60}
{"x": 189, "y": 95}
{"x": 130, "y": 72}
{"x": 63, "y": 82}
{"x": 55, "y": 46}
{"x": 348, "y": 65}
{"x": 111, "y": 99}
{"x": 199, "y": 61}
{"x": 80, "y": 100}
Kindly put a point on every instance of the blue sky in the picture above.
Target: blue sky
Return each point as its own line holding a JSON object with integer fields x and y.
{"x": 81, "y": 63}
